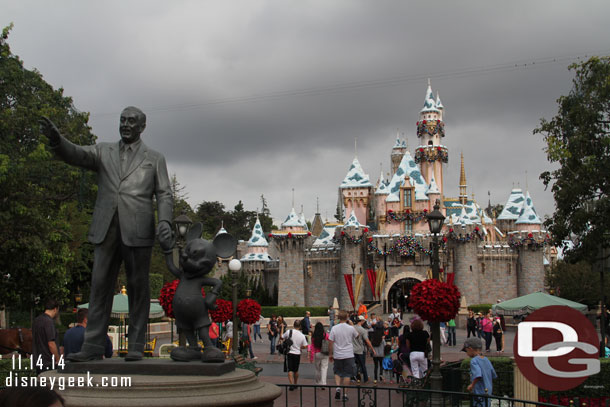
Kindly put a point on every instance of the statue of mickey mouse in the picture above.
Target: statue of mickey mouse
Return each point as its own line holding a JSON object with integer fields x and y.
{"x": 190, "y": 307}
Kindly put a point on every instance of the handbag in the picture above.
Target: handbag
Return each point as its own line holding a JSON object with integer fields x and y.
{"x": 284, "y": 347}
{"x": 325, "y": 347}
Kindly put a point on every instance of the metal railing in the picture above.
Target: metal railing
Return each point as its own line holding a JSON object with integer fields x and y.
{"x": 371, "y": 396}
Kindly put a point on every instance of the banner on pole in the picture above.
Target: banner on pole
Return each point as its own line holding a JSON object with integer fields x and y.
{"x": 372, "y": 282}
{"x": 350, "y": 288}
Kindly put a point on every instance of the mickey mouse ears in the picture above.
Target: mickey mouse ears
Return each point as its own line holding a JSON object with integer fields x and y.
{"x": 225, "y": 245}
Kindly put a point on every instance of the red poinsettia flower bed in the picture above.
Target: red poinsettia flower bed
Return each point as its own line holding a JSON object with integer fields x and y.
{"x": 435, "y": 301}
{"x": 248, "y": 311}
{"x": 223, "y": 311}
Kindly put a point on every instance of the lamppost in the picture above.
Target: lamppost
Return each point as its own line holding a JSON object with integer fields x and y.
{"x": 435, "y": 222}
{"x": 182, "y": 224}
{"x": 235, "y": 266}
{"x": 605, "y": 260}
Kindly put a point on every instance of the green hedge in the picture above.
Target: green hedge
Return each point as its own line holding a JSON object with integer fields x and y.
{"x": 597, "y": 385}
{"x": 503, "y": 385}
{"x": 294, "y": 311}
{"x": 483, "y": 308}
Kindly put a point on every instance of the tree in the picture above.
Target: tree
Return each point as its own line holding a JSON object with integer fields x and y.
{"x": 265, "y": 216}
{"x": 212, "y": 215}
{"x": 45, "y": 204}
{"x": 576, "y": 282}
{"x": 240, "y": 222}
{"x": 577, "y": 139}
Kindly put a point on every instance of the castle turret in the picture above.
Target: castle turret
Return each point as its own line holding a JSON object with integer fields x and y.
{"x": 291, "y": 243}
{"x": 356, "y": 190}
{"x": 256, "y": 253}
{"x": 431, "y": 154}
{"x": 293, "y": 223}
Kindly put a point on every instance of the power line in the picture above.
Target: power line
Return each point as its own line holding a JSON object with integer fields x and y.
{"x": 372, "y": 83}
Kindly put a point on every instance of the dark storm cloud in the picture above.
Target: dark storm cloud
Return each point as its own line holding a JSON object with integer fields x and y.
{"x": 263, "y": 96}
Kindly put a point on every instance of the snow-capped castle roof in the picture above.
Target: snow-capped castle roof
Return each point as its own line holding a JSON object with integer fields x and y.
{"x": 433, "y": 188}
{"x": 407, "y": 166}
{"x": 292, "y": 220}
{"x": 399, "y": 144}
{"x": 439, "y": 104}
{"x": 356, "y": 177}
{"x": 528, "y": 213}
{"x": 430, "y": 103}
{"x": 513, "y": 206}
{"x": 326, "y": 236}
{"x": 221, "y": 231}
{"x": 258, "y": 238}
{"x": 352, "y": 221}
{"x": 382, "y": 186}
{"x": 256, "y": 257}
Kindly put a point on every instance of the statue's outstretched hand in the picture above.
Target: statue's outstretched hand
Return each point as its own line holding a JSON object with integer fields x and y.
{"x": 166, "y": 237}
{"x": 49, "y": 129}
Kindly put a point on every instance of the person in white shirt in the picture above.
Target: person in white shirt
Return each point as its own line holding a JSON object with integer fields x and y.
{"x": 293, "y": 359}
{"x": 341, "y": 353}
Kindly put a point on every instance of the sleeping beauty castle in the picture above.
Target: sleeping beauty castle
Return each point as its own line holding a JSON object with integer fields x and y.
{"x": 382, "y": 248}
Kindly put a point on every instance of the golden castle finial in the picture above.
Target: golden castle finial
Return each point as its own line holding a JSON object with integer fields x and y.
{"x": 463, "y": 195}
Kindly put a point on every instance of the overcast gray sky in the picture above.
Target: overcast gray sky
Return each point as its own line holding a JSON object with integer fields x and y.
{"x": 259, "y": 97}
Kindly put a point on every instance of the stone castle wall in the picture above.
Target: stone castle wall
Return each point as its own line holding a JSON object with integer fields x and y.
{"x": 321, "y": 278}
{"x": 484, "y": 272}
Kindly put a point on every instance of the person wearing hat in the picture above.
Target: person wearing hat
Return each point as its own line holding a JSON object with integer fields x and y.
{"x": 482, "y": 372}
{"x": 359, "y": 344}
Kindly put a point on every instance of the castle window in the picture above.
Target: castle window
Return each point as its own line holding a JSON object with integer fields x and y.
{"x": 508, "y": 268}
{"x": 407, "y": 199}
{"x": 471, "y": 267}
{"x": 430, "y": 143}
{"x": 482, "y": 267}
{"x": 408, "y": 226}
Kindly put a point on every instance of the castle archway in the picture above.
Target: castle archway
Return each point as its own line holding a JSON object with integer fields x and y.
{"x": 398, "y": 288}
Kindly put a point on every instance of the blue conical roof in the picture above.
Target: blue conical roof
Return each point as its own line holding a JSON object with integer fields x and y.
{"x": 356, "y": 177}
{"x": 513, "y": 206}
{"x": 528, "y": 212}
{"x": 258, "y": 237}
{"x": 430, "y": 102}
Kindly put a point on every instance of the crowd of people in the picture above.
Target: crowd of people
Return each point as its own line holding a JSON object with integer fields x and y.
{"x": 486, "y": 327}
{"x": 398, "y": 348}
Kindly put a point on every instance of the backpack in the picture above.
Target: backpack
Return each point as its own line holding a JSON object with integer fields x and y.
{"x": 396, "y": 322}
{"x": 284, "y": 347}
{"x": 325, "y": 347}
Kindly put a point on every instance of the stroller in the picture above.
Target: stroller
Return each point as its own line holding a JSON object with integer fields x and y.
{"x": 404, "y": 377}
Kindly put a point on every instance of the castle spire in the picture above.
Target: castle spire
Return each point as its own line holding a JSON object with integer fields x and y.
{"x": 463, "y": 195}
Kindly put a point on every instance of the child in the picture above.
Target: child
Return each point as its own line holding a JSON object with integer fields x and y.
{"x": 388, "y": 363}
{"x": 482, "y": 372}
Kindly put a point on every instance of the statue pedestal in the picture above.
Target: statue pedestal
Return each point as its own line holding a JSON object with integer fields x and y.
{"x": 236, "y": 388}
